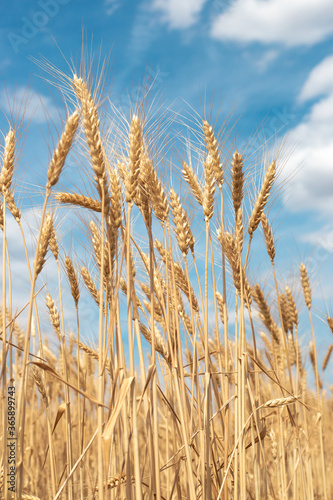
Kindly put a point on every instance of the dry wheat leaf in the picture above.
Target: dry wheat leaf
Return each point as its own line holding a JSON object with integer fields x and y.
{"x": 114, "y": 415}
{"x": 60, "y": 412}
{"x": 50, "y": 370}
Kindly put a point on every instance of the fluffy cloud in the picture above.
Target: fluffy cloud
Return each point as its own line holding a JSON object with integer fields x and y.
{"x": 313, "y": 187}
{"x": 35, "y": 107}
{"x": 179, "y": 13}
{"x": 287, "y": 22}
{"x": 320, "y": 80}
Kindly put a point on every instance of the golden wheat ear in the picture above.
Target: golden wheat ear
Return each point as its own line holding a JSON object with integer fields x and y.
{"x": 262, "y": 198}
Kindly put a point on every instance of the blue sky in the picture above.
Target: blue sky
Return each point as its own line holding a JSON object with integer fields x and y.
{"x": 269, "y": 62}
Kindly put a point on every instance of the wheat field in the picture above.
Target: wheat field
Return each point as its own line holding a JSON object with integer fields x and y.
{"x": 196, "y": 384}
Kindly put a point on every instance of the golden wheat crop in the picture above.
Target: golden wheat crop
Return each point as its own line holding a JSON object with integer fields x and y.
{"x": 181, "y": 395}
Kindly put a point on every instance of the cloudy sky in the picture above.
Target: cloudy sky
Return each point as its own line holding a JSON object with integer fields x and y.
{"x": 269, "y": 62}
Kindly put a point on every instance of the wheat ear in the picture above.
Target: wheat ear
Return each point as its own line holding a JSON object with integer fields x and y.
{"x": 10, "y": 201}
{"x": 44, "y": 242}
{"x": 330, "y": 322}
{"x": 7, "y": 170}
{"x": 54, "y": 315}
{"x": 72, "y": 280}
{"x": 239, "y": 230}
{"x": 237, "y": 180}
{"x": 91, "y": 129}
{"x": 40, "y": 385}
{"x": 211, "y": 145}
{"x": 305, "y": 286}
{"x": 262, "y": 198}
{"x": 193, "y": 182}
{"x": 182, "y": 227}
{"x": 59, "y": 156}
{"x": 132, "y": 175}
{"x": 88, "y": 281}
{"x": 115, "y": 209}
{"x": 80, "y": 200}
{"x": 208, "y": 195}
{"x": 268, "y": 237}
{"x": 277, "y": 403}
{"x": 327, "y": 357}
{"x": 293, "y": 308}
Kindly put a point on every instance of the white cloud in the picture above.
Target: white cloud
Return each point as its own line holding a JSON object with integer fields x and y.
{"x": 320, "y": 80}
{"x": 264, "y": 61}
{"x": 112, "y": 6}
{"x": 35, "y": 107}
{"x": 287, "y": 22}
{"x": 179, "y": 13}
{"x": 313, "y": 188}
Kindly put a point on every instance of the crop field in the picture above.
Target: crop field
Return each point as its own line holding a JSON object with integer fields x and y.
{"x": 189, "y": 380}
